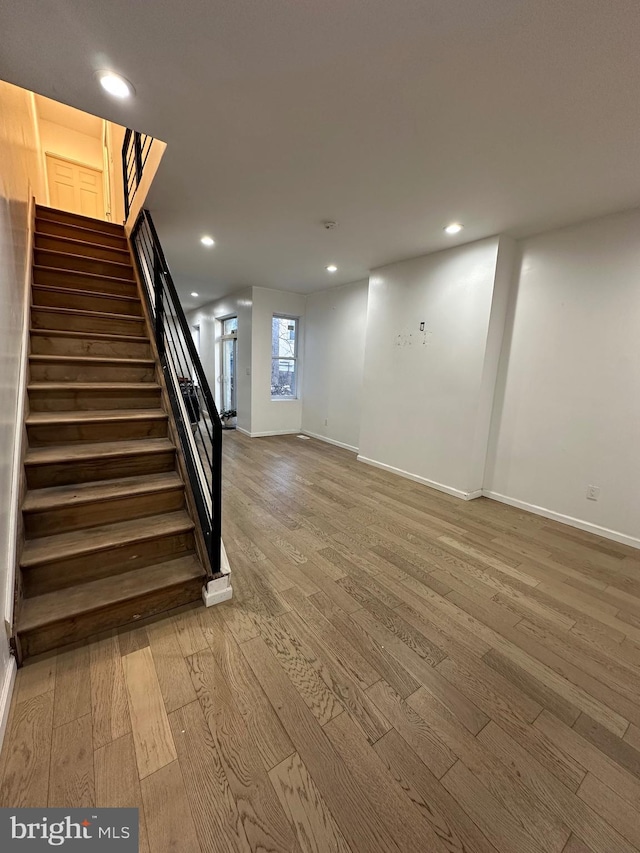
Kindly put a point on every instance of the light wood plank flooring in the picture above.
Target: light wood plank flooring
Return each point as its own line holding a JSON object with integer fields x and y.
{"x": 398, "y": 671}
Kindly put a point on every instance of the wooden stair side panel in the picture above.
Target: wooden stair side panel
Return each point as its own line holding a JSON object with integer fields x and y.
{"x": 59, "y": 342}
{"x": 85, "y": 300}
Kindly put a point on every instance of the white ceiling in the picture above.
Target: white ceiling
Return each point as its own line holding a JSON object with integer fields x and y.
{"x": 392, "y": 117}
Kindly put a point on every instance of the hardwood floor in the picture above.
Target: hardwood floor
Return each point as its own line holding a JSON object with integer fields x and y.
{"x": 398, "y": 671}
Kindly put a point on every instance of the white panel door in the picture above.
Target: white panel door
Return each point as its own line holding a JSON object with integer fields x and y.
{"x": 74, "y": 187}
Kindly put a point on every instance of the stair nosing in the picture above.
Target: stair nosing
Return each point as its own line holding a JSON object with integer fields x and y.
{"x": 92, "y": 386}
{"x": 136, "y": 534}
{"x": 90, "y": 450}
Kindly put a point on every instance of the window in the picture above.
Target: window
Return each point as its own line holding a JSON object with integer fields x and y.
{"x": 284, "y": 358}
{"x": 230, "y": 326}
{"x": 228, "y": 359}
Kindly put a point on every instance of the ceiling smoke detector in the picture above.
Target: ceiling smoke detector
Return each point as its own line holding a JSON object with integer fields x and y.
{"x": 329, "y": 224}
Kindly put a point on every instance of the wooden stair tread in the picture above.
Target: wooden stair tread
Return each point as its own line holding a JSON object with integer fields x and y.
{"x": 48, "y": 549}
{"x": 89, "y": 359}
{"x": 93, "y": 416}
{"x": 74, "y": 291}
{"x": 79, "y": 230}
{"x": 76, "y": 494}
{"x": 74, "y": 601}
{"x": 79, "y": 244}
{"x": 101, "y": 449}
{"x": 45, "y": 212}
{"x": 78, "y": 273}
{"x": 83, "y": 312}
{"x": 98, "y": 336}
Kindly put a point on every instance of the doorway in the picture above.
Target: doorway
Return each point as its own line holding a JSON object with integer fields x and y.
{"x": 75, "y": 187}
{"x": 228, "y": 360}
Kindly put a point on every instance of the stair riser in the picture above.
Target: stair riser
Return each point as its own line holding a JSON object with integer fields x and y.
{"x": 61, "y": 574}
{"x": 43, "y": 319}
{"x": 84, "y": 516}
{"x": 91, "y": 373}
{"x": 76, "y": 219}
{"x": 46, "y": 258}
{"x": 90, "y": 401}
{"x": 44, "y": 436}
{"x": 43, "y": 345}
{"x": 83, "y": 281}
{"x": 83, "y": 302}
{"x": 90, "y": 470}
{"x": 88, "y": 250}
{"x": 88, "y": 625}
{"x": 59, "y": 229}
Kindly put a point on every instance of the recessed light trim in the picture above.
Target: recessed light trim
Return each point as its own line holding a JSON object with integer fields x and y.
{"x": 453, "y": 228}
{"x": 207, "y": 241}
{"x": 193, "y": 293}
{"x": 115, "y": 84}
{"x": 332, "y": 268}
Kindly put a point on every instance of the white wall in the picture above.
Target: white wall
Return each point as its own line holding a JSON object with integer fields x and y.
{"x": 20, "y": 178}
{"x": 65, "y": 142}
{"x": 273, "y": 416}
{"x": 335, "y": 328}
{"x": 208, "y": 317}
{"x": 424, "y": 391}
{"x": 568, "y": 405}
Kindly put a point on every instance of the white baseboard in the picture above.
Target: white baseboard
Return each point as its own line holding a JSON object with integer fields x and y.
{"x": 449, "y": 490}
{"x": 6, "y": 691}
{"x": 605, "y": 532}
{"x": 268, "y": 432}
{"x": 329, "y": 440}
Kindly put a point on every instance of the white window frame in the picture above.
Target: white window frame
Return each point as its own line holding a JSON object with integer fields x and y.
{"x": 279, "y": 398}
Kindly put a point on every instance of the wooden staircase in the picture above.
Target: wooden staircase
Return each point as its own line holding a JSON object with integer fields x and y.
{"x": 108, "y": 534}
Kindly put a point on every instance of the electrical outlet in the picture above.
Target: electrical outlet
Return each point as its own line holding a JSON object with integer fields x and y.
{"x": 593, "y": 493}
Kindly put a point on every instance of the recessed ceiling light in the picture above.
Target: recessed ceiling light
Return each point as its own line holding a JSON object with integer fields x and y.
{"x": 454, "y": 228}
{"x": 194, "y": 293}
{"x": 207, "y": 241}
{"x": 115, "y": 85}
{"x": 332, "y": 268}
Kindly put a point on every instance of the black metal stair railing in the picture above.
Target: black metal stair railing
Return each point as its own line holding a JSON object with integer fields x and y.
{"x": 192, "y": 402}
{"x": 135, "y": 150}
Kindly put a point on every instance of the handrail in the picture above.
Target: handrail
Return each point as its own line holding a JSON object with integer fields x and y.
{"x": 196, "y": 415}
{"x": 135, "y": 150}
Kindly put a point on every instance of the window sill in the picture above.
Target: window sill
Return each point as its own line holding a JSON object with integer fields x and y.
{"x": 285, "y": 399}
